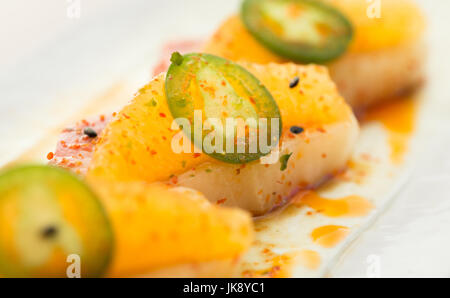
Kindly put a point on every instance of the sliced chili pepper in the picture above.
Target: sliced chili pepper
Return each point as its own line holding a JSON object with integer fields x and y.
{"x": 227, "y": 95}
{"x": 47, "y": 214}
{"x": 305, "y": 31}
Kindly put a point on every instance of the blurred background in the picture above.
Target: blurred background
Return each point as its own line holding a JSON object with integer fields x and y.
{"x": 56, "y": 54}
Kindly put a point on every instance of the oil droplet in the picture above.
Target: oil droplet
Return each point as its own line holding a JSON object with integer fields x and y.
{"x": 398, "y": 116}
{"x": 309, "y": 258}
{"x": 329, "y": 236}
{"x": 350, "y": 206}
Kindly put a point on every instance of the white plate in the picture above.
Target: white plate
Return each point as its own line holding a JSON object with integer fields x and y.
{"x": 54, "y": 65}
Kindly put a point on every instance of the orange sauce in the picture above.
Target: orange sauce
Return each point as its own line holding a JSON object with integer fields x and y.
{"x": 349, "y": 206}
{"x": 280, "y": 266}
{"x": 310, "y": 259}
{"x": 329, "y": 236}
{"x": 356, "y": 171}
{"x": 398, "y": 117}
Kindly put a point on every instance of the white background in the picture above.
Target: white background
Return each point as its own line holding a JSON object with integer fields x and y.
{"x": 47, "y": 58}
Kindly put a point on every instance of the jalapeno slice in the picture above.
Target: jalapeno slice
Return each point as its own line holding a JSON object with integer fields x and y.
{"x": 222, "y": 108}
{"x": 306, "y": 31}
{"x": 51, "y": 225}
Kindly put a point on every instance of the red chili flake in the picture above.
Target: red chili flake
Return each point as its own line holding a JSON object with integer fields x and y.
{"x": 86, "y": 147}
{"x": 174, "y": 179}
{"x": 247, "y": 273}
{"x": 63, "y": 143}
{"x": 126, "y": 116}
{"x": 223, "y": 83}
{"x": 221, "y": 201}
{"x": 75, "y": 147}
{"x": 85, "y": 122}
{"x": 274, "y": 271}
{"x": 164, "y": 138}
{"x": 324, "y": 155}
{"x": 162, "y": 115}
{"x": 114, "y": 114}
{"x": 252, "y": 100}
{"x": 153, "y": 152}
{"x": 102, "y": 118}
{"x": 197, "y": 155}
{"x": 50, "y": 156}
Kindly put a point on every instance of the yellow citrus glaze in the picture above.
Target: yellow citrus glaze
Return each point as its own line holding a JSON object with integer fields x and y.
{"x": 157, "y": 226}
{"x": 233, "y": 41}
{"x": 314, "y": 102}
{"x": 56, "y": 264}
{"x": 8, "y": 224}
{"x": 398, "y": 117}
{"x": 137, "y": 144}
{"x": 401, "y": 22}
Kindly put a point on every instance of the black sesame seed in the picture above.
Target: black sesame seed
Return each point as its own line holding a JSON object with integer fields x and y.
{"x": 49, "y": 232}
{"x": 89, "y": 132}
{"x": 297, "y": 130}
{"x": 294, "y": 82}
